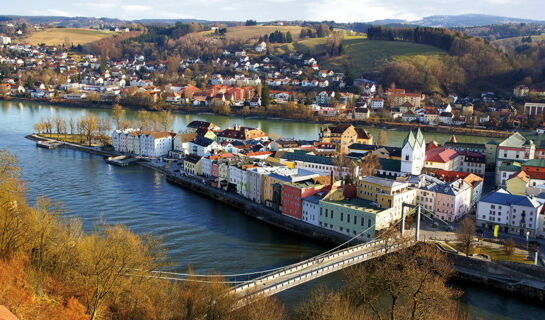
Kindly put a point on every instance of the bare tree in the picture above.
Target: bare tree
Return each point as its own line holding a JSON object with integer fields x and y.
{"x": 382, "y": 138}
{"x": 369, "y": 165}
{"x": 88, "y": 127}
{"x": 118, "y": 113}
{"x": 382, "y": 289}
{"x": 466, "y": 234}
{"x": 509, "y": 247}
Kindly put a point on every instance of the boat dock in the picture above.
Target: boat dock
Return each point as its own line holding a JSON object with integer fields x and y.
{"x": 49, "y": 144}
{"x": 121, "y": 160}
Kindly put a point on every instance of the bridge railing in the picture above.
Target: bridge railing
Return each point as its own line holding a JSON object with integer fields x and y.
{"x": 312, "y": 274}
{"x": 304, "y": 264}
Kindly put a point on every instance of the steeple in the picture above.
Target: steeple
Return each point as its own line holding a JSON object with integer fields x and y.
{"x": 453, "y": 139}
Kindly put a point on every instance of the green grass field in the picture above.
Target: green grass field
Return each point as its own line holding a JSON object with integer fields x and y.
{"x": 58, "y": 36}
{"x": 495, "y": 253}
{"x": 516, "y": 41}
{"x": 361, "y": 54}
{"x": 254, "y": 32}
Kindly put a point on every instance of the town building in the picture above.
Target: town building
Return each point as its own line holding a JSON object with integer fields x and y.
{"x": 512, "y": 150}
{"x": 443, "y": 159}
{"x": 354, "y": 216}
{"x": 534, "y": 108}
{"x": 293, "y": 194}
{"x": 514, "y": 214}
{"x": 343, "y": 135}
{"x": 155, "y": 144}
{"x": 386, "y": 193}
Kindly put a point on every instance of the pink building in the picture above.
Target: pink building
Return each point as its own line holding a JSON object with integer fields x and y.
{"x": 453, "y": 200}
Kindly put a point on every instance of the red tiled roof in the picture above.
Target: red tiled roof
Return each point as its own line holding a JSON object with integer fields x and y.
{"x": 440, "y": 155}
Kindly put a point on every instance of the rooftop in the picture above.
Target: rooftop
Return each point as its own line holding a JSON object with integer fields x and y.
{"x": 358, "y": 204}
{"x": 388, "y": 183}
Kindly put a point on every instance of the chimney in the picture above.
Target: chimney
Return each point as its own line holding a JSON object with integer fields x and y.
{"x": 332, "y": 178}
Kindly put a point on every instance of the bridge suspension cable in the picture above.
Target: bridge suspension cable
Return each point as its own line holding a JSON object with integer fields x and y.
{"x": 189, "y": 276}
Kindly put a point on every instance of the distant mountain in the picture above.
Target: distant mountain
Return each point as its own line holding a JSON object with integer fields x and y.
{"x": 468, "y": 20}
{"x": 71, "y": 22}
{"x": 447, "y": 21}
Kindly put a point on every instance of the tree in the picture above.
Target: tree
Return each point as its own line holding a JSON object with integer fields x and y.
{"x": 466, "y": 234}
{"x": 509, "y": 247}
{"x": 369, "y": 165}
{"x": 165, "y": 119}
{"x": 144, "y": 120}
{"x": 382, "y": 138}
{"x": 265, "y": 99}
{"x": 88, "y": 127}
{"x": 104, "y": 259}
{"x": 381, "y": 288}
{"x": 118, "y": 114}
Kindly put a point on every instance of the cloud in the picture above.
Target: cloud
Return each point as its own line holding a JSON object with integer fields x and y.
{"x": 136, "y": 8}
{"x": 354, "y": 11}
{"x": 52, "y": 12}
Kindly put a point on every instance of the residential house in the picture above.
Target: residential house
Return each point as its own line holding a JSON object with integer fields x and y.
{"x": 361, "y": 113}
{"x": 192, "y": 164}
{"x": 443, "y": 159}
{"x": 516, "y": 148}
{"x": 293, "y": 194}
{"x": 202, "y": 146}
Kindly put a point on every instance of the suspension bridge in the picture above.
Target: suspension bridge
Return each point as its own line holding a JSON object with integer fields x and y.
{"x": 272, "y": 281}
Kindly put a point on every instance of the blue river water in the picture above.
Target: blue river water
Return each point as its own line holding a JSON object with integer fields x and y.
{"x": 197, "y": 232}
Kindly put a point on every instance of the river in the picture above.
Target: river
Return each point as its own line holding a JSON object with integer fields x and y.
{"x": 196, "y": 231}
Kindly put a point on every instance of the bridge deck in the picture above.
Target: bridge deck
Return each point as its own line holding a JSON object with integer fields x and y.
{"x": 305, "y": 271}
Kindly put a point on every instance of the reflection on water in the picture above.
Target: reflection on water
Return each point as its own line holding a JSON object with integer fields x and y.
{"x": 196, "y": 231}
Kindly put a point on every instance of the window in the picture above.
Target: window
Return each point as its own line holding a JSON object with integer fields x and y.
{"x": 326, "y": 213}
{"x": 362, "y": 222}
{"x": 355, "y": 220}
{"x": 342, "y": 216}
{"x": 348, "y": 218}
{"x": 369, "y": 224}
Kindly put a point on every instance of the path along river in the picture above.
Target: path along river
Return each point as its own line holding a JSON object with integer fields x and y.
{"x": 197, "y": 232}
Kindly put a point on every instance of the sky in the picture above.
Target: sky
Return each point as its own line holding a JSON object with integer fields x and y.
{"x": 267, "y": 10}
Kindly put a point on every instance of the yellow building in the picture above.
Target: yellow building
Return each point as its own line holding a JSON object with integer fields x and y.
{"x": 343, "y": 135}
{"x": 518, "y": 183}
{"x": 192, "y": 164}
{"x": 386, "y": 193}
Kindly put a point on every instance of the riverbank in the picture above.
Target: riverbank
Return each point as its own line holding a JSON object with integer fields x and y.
{"x": 467, "y": 270}
{"x": 388, "y": 125}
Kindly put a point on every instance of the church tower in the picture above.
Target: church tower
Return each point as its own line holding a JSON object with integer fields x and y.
{"x": 413, "y": 153}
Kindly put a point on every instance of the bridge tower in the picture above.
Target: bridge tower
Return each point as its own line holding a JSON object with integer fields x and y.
{"x": 404, "y": 216}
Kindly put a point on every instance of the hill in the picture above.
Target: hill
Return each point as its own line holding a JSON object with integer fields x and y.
{"x": 360, "y": 54}
{"x": 467, "y": 20}
{"x": 66, "y": 36}
{"x": 254, "y": 32}
{"x": 513, "y": 42}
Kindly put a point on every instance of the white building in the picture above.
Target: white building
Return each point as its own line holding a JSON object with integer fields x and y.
{"x": 262, "y": 47}
{"x": 413, "y": 153}
{"x": 155, "y": 144}
{"x": 311, "y": 209}
{"x": 120, "y": 139}
{"x": 133, "y": 142}
{"x": 202, "y": 146}
{"x": 5, "y": 40}
{"x": 512, "y": 213}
